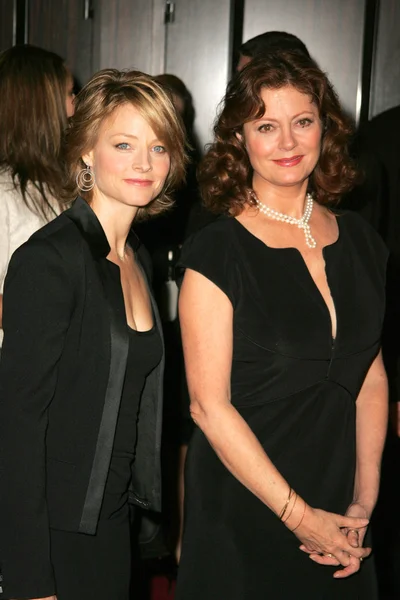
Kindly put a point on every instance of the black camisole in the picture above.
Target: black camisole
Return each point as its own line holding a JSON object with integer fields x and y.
{"x": 145, "y": 351}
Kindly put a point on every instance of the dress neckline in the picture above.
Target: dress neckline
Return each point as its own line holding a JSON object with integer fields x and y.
{"x": 285, "y": 248}
{"x": 298, "y": 253}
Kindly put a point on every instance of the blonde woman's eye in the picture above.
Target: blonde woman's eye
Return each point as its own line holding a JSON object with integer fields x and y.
{"x": 159, "y": 149}
{"x": 122, "y": 146}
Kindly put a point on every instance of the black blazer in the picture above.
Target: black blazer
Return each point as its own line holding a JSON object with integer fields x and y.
{"x": 61, "y": 376}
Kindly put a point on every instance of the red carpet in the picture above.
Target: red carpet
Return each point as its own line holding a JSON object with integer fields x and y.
{"x": 162, "y": 588}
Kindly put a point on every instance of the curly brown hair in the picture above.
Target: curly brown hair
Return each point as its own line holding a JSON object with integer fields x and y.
{"x": 225, "y": 174}
{"x": 106, "y": 91}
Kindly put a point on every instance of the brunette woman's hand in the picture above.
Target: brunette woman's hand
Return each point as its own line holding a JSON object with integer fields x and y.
{"x": 324, "y": 537}
{"x": 355, "y": 537}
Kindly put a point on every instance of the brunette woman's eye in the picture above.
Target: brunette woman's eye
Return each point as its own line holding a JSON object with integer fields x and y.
{"x": 266, "y": 127}
{"x": 305, "y": 122}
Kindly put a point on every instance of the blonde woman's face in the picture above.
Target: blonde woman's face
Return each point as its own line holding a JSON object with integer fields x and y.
{"x": 130, "y": 163}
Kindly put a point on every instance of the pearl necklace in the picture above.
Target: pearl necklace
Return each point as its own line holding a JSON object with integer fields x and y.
{"x": 302, "y": 223}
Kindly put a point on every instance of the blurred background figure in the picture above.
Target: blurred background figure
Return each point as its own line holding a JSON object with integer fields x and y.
{"x": 36, "y": 100}
{"x": 267, "y": 42}
{"x": 377, "y": 199}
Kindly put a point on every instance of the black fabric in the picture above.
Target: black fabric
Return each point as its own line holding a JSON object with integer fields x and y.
{"x": 377, "y": 199}
{"x": 64, "y": 324}
{"x": 100, "y": 566}
{"x": 296, "y": 388}
{"x": 145, "y": 352}
{"x": 118, "y": 359}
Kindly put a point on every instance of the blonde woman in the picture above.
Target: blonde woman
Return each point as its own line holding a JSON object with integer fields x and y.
{"x": 81, "y": 372}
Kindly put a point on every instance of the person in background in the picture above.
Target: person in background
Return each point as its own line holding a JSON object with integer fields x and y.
{"x": 265, "y": 43}
{"x": 281, "y": 310}
{"x": 377, "y": 199}
{"x": 82, "y": 365}
{"x": 36, "y": 100}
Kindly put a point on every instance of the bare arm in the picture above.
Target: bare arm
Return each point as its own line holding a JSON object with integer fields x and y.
{"x": 371, "y": 426}
{"x": 47, "y": 598}
{"x": 372, "y": 417}
{"x": 206, "y": 317}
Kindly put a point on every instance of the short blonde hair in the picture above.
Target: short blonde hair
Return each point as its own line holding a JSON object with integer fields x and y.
{"x": 106, "y": 91}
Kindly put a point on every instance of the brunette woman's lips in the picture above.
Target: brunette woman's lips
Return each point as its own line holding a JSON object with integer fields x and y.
{"x": 289, "y": 162}
{"x": 140, "y": 182}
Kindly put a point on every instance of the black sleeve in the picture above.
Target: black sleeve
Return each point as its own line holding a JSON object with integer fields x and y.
{"x": 38, "y": 301}
{"x": 210, "y": 252}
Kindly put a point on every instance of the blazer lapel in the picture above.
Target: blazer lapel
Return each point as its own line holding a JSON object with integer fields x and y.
{"x": 119, "y": 344}
{"x": 90, "y": 227}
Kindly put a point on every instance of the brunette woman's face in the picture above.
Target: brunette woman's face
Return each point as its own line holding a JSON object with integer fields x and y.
{"x": 285, "y": 143}
{"x": 130, "y": 163}
{"x": 70, "y": 96}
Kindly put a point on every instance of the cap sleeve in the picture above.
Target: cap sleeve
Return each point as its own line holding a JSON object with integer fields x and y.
{"x": 211, "y": 253}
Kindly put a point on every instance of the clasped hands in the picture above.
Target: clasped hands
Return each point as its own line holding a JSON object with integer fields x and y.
{"x": 333, "y": 540}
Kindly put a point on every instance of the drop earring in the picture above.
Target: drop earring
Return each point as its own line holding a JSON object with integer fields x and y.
{"x": 85, "y": 179}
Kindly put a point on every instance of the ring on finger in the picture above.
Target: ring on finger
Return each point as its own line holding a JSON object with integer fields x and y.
{"x": 329, "y": 554}
{"x": 353, "y": 530}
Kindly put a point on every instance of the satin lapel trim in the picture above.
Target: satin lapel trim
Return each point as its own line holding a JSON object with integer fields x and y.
{"x": 118, "y": 356}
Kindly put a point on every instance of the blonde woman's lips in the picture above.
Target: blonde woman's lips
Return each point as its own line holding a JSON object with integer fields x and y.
{"x": 139, "y": 182}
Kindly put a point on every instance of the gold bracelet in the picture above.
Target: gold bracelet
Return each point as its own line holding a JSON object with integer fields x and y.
{"x": 294, "y": 504}
{"x": 286, "y": 504}
{"x": 301, "y": 520}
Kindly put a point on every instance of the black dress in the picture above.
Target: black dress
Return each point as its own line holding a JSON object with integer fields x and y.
{"x": 99, "y": 566}
{"x": 296, "y": 388}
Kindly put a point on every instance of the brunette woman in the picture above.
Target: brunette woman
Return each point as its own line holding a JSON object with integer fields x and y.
{"x": 281, "y": 310}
